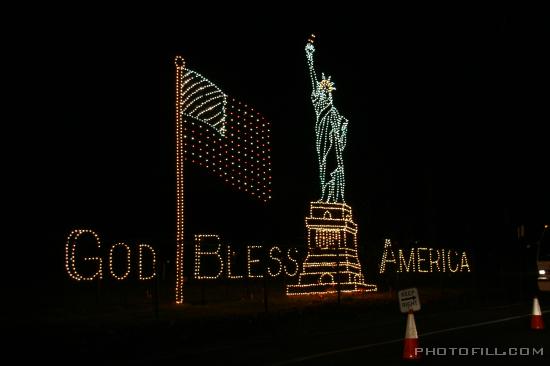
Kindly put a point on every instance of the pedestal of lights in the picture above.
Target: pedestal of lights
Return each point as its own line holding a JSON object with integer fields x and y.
{"x": 331, "y": 259}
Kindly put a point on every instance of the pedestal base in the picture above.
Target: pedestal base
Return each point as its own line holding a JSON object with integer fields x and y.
{"x": 332, "y": 259}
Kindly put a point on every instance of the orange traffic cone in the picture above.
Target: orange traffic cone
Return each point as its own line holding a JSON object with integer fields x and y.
{"x": 536, "y": 318}
{"x": 411, "y": 339}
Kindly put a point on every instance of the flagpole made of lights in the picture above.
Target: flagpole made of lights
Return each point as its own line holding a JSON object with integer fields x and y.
{"x": 180, "y": 158}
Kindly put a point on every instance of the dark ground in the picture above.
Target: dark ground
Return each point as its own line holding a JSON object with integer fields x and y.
{"x": 243, "y": 333}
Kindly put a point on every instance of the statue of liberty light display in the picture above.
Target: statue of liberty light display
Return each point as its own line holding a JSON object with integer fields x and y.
{"x": 330, "y": 133}
{"x": 332, "y": 263}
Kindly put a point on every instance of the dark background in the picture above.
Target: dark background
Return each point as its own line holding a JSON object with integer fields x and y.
{"x": 447, "y": 139}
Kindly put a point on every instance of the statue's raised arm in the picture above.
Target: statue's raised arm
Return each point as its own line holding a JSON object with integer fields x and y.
{"x": 310, "y": 49}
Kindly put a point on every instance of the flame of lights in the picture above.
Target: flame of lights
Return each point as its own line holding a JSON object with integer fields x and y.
{"x": 223, "y": 135}
{"x": 332, "y": 258}
{"x": 330, "y": 133}
{"x": 424, "y": 260}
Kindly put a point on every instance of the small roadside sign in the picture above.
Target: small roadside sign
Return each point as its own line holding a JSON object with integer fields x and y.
{"x": 409, "y": 300}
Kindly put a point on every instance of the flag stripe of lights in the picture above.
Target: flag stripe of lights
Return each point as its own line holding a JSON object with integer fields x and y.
{"x": 241, "y": 156}
{"x": 223, "y": 135}
{"x": 203, "y": 100}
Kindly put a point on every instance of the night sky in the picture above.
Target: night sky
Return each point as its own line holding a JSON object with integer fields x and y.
{"x": 447, "y": 139}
